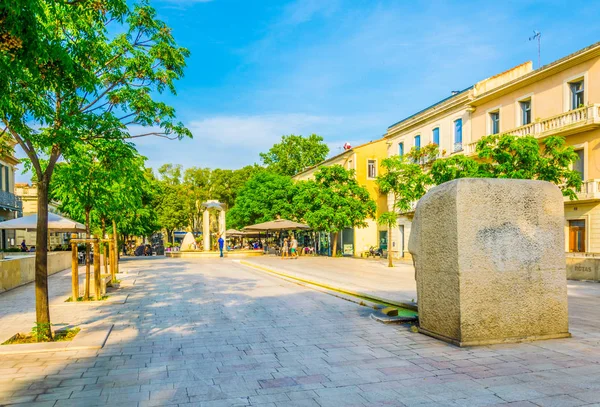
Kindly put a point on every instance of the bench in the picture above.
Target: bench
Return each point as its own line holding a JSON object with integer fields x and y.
{"x": 105, "y": 281}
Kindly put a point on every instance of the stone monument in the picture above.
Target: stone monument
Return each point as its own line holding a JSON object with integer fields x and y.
{"x": 206, "y": 222}
{"x": 189, "y": 242}
{"x": 489, "y": 260}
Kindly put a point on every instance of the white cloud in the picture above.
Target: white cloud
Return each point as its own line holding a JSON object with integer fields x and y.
{"x": 302, "y": 11}
{"x": 234, "y": 141}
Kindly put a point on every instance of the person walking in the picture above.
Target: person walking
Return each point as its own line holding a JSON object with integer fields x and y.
{"x": 221, "y": 243}
{"x": 284, "y": 250}
{"x": 294, "y": 248}
{"x": 24, "y": 246}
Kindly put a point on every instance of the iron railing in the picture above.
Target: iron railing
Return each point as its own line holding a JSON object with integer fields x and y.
{"x": 568, "y": 121}
{"x": 10, "y": 201}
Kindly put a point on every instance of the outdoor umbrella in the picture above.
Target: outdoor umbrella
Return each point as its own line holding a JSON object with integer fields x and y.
{"x": 277, "y": 224}
{"x": 233, "y": 232}
{"x": 56, "y": 223}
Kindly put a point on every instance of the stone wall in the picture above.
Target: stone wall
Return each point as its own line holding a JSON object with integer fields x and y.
{"x": 583, "y": 267}
{"x": 20, "y": 270}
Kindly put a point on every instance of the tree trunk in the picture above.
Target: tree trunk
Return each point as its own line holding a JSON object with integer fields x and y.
{"x": 390, "y": 246}
{"x": 117, "y": 251}
{"x": 42, "y": 308}
{"x": 104, "y": 246}
{"x": 86, "y": 295}
{"x": 335, "y": 238}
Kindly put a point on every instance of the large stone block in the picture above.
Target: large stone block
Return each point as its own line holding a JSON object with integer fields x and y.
{"x": 490, "y": 262}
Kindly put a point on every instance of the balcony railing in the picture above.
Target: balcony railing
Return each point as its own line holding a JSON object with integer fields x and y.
{"x": 10, "y": 201}
{"x": 562, "y": 124}
{"x": 590, "y": 190}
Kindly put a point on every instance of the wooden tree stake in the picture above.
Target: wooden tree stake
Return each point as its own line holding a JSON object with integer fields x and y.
{"x": 74, "y": 269}
{"x": 97, "y": 284}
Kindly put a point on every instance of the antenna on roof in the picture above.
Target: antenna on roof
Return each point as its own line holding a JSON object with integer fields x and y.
{"x": 537, "y": 36}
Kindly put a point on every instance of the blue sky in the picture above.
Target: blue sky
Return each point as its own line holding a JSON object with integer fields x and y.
{"x": 342, "y": 69}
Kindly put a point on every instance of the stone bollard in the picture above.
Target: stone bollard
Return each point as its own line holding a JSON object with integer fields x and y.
{"x": 489, "y": 260}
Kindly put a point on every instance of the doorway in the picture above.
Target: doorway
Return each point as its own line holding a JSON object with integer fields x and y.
{"x": 577, "y": 236}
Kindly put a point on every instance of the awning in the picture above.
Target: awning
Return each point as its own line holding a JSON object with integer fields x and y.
{"x": 278, "y": 224}
{"x": 56, "y": 223}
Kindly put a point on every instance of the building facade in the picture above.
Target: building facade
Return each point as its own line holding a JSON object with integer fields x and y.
{"x": 365, "y": 160}
{"x": 561, "y": 98}
{"x": 446, "y": 124}
{"x": 28, "y": 195}
{"x": 10, "y": 204}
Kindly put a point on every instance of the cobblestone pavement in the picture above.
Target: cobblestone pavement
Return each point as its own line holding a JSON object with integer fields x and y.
{"x": 216, "y": 333}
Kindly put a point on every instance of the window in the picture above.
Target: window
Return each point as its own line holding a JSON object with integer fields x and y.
{"x": 525, "y": 111}
{"x": 458, "y": 135}
{"x": 400, "y": 149}
{"x": 577, "y": 94}
{"x": 495, "y": 122}
{"x": 371, "y": 169}
{"x": 579, "y": 165}
{"x": 418, "y": 142}
{"x": 436, "y": 136}
{"x": 577, "y": 236}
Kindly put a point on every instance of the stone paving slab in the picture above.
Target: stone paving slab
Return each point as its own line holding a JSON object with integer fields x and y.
{"x": 370, "y": 276}
{"x": 215, "y": 333}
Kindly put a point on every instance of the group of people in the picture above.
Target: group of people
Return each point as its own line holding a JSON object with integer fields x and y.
{"x": 290, "y": 247}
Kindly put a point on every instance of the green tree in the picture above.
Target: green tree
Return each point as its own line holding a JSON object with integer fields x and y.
{"x": 171, "y": 200}
{"x": 294, "y": 154}
{"x": 96, "y": 179}
{"x": 405, "y": 182}
{"x": 77, "y": 70}
{"x": 222, "y": 185}
{"x": 334, "y": 201}
{"x": 507, "y": 156}
{"x": 266, "y": 196}
{"x": 141, "y": 218}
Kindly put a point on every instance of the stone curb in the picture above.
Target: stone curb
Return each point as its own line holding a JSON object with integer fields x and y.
{"x": 90, "y": 337}
{"x": 407, "y": 305}
{"x": 111, "y": 300}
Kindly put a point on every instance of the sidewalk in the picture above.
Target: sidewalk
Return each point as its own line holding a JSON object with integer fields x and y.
{"x": 372, "y": 277}
{"x": 17, "y": 306}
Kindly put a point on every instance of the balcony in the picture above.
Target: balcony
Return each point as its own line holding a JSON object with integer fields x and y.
{"x": 589, "y": 191}
{"x": 10, "y": 202}
{"x": 574, "y": 121}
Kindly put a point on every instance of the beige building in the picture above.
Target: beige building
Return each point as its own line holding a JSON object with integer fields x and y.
{"x": 365, "y": 160}
{"x": 445, "y": 123}
{"x": 561, "y": 98}
{"x": 10, "y": 204}
{"x": 28, "y": 195}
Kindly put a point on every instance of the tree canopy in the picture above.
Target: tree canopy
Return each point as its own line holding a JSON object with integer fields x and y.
{"x": 333, "y": 201}
{"x": 266, "y": 196}
{"x": 508, "y": 156}
{"x": 75, "y": 71}
{"x": 294, "y": 154}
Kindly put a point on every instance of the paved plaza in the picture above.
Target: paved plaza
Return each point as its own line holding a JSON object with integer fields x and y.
{"x": 217, "y": 333}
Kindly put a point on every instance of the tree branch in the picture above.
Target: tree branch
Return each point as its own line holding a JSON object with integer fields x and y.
{"x": 108, "y": 89}
{"x": 27, "y": 147}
